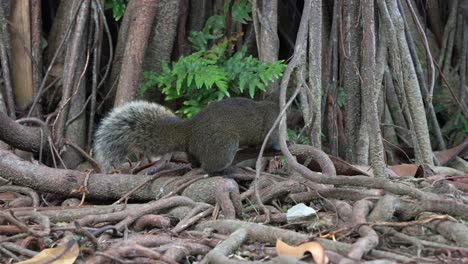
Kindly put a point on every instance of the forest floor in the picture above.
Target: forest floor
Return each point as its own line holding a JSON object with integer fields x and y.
{"x": 168, "y": 212}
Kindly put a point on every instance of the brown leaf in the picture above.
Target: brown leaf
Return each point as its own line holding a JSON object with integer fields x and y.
{"x": 314, "y": 248}
{"x": 64, "y": 254}
{"x": 405, "y": 170}
{"x": 8, "y": 196}
{"x": 444, "y": 156}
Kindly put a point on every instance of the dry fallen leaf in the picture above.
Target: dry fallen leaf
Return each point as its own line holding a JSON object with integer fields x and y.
{"x": 64, "y": 254}
{"x": 314, "y": 248}
{"x": 405, "y": 170}
{"x": 8, "y": 196}
{"x": 447, "y": 155}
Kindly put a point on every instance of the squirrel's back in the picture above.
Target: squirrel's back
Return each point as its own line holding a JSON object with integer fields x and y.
{"x": 137, "y": 127}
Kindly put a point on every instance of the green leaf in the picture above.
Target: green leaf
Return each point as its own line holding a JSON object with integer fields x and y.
{"x": 252, "y": 86}
{"x": 199, "y": 81}
{"x": 117, "y": 7}
{"x": 210, "y": 74}
{"x": 179, "y": 84}
{"x": 241, "y": 11}
{"x": 189, "y": 79}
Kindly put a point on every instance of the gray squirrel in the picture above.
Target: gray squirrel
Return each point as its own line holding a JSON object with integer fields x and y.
{"x": 211, "y": 138}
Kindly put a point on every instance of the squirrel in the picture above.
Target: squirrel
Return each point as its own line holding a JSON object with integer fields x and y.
{"x": 211, "y": 138}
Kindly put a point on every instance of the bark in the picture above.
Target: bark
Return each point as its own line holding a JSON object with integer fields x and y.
{"x": 217, "y": 7}
{"x": 21, "y": 64}
{"x": 181, "y": 42}
{"x": 368, "y": 89}
{"x": 162, "y": 40}
{"x": 432, "y": 119}
{"x": 32, "y": 139}
{"x": 141, "y": 14}
{"x": 463, "y": 67}
{"x": 98, "y": 26}
{"x": 111, "y": 83}
{"x": 36, "y": 44}
{"x": 326, "y": 69}
{"x": 75, "y": 130}
{"x": 332, "y": 126}
{"x": 315, "y": 73}
{"x": 448, "y": 37}
{"x": 303, "y": 94}
{"x": 351, "y": 61}
{"x": 458, "y": 49}
{"x": 433, "y": 12}
{"x": 73, "y": 82}
{"x": 434, "y": 46}
{"x": 395, "y": 110}
{"x": 4, "y": 59}
{"x": 3, "y": 110}
{"x": 413, "y": 91}
{"x": 57, "y": 33}
{"x": 198, "y": 14}
{"x": 267, "y": 40}
{"x": 464, "y": 10}
{"x": 381, "y": 62}
{"x": 398, "y": 98}
{"x": 390, "y": 136}
{"x": 163, "y": 35}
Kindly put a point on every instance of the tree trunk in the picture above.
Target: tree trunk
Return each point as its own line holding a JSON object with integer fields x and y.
{"x": 433, "y": 12}
{"x": 161, "y": 42}
{"x": 432, "y": 119}
{"x": 268, "y": 41}
{"x": 21, "y": 64}
{"x": 198, "y": 14}
{"x": 463, "y": 66}
{"x": 36, "y": 44}
{"x": 413, "y": 92}
{"x": 332, "y": 95}
{"x": 141, "y": 14}
{"x": 73, "y": 89}
{"x": 350, "y": 55}
{"x": 315, "y": 74}
{"x": 368, "y": 89}
{"x": 5, "y": 60}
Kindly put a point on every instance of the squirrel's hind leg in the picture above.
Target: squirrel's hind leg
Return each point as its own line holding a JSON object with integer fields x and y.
{"x": 217, "y": 151}
{"x": 110, "y": 156}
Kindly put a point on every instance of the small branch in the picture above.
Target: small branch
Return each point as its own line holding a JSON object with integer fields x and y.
{"x": 23, "y": 137}
{"x": 230, "y": 245}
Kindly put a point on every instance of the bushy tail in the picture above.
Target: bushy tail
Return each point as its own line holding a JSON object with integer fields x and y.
{"x": 126, "y": 130}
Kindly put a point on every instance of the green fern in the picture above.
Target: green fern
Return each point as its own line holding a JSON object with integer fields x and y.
{"x": 117, "y": 7}
{"x": 209, "y": 74}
